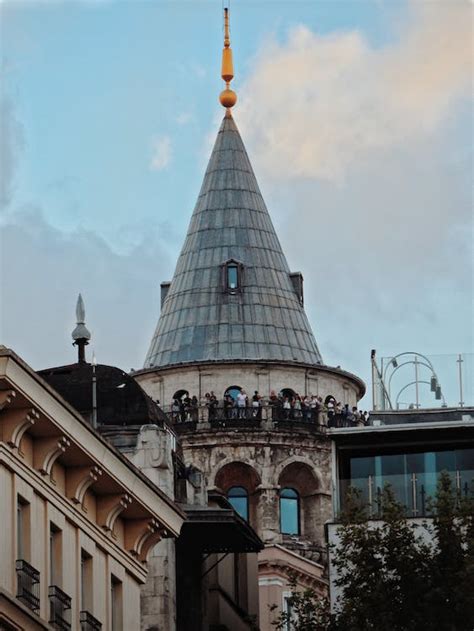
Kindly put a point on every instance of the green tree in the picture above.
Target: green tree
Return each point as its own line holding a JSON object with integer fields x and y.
{"x": 394, "y": 574}
{"x": 450, "y": 598}
{"x": 307, "y": 611}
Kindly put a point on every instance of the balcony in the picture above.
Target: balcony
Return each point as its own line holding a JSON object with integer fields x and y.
{"x": 59, "y": 609}
{"x": 28, "y": 585}
{"x": 88, "y": 622}
{"x": 263, "y": 417}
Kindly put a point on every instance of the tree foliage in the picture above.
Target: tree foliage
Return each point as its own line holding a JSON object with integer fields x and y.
{"x": 396, "y": 574}
{"x": 307, "y": 611}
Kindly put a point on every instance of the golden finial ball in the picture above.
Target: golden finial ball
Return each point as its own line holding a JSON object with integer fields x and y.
{"x": 228, "y": 97}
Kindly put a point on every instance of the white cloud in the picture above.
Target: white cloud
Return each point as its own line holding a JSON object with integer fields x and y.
{"x": 315, "y": 106}
{"x": 11, "y": 143}
{"x": 161, "y": 155}
{"x": 363, "y": 156}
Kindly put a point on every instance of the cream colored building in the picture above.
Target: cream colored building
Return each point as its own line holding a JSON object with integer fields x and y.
{"x": 79, "y": 520}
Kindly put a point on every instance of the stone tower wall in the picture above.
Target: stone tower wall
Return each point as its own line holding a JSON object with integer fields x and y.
{"x": 264, "y": 462}
{"x": 199, "y": 379}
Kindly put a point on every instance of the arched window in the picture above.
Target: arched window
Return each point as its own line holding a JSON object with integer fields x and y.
{"x": 288, "y": 392}
{"x": 239, "y": 499}
{"x": 289, "y": 512}
{"x": 180, "y": 394}
{"x": 233, "y": 391}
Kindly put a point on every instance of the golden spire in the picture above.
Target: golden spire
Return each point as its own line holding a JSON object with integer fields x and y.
{"x": 228, "y": 97}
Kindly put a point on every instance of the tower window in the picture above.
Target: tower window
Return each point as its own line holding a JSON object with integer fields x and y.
{"x": 232, "y": 276}
{"x": 239, "y": 499}
{"x": 233, "y": 391}
{"x": 289, "y": 512}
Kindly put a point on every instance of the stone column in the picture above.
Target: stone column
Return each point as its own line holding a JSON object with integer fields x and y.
{"x": 268, "y": 514}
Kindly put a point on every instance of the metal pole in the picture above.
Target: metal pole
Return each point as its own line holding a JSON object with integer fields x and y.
{"x": 416, "y": 384}
{"x": 94, "y": 393}
{"x": 413, "y": 494}
{"x": 382, "y": 394}
{"x": 460, "y": 362}
{"x": 370, "y": 495}
{"x": 374, "y": 377}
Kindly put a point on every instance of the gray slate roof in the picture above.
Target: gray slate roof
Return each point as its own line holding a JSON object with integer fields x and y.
{"x": 199, "y": 320}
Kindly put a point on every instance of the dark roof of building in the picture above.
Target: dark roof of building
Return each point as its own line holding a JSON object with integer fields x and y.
{"x": 218, "y": 529}
{"x": 202, "y": 321}
{"x": 120, "y": 399}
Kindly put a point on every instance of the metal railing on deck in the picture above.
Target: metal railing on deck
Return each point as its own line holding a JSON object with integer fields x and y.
{"x": 219, "y": 416}
{"x": 28, "y": 585}
{"x": 59, "y": 608}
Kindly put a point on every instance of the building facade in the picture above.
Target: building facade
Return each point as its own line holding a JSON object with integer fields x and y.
{"x": 406, "y": 450}
{"x": 79, "y": 519}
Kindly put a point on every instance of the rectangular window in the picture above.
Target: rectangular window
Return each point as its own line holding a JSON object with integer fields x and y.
{"x": 55, "y": 555}
{"x": 22, "y": 529}
{"x": 232, "y": 277}
{"x": 116, "y": 603}
{"x": 86, "y": 581}
{"x": 288, "y": 609}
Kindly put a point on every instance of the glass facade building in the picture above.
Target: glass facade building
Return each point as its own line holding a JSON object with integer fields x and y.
{"x": 411, "y": 473}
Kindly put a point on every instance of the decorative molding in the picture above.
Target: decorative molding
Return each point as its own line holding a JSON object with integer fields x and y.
{"x": 43, "y": 489}
{"x": 79, "y": 479}
{"x": 47, "y": 451}
{"x": 141, "y": 535}
{"x": 15, "y": 422}
{"x": 6, "y": 397}
{"x": 109, "y": 508}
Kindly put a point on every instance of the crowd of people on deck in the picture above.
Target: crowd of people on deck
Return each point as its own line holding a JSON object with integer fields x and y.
{"x": 285, "y": 406}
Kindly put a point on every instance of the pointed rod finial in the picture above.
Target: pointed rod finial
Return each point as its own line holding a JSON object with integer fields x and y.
{"x": 227, "y": 97}
{"x": 81, "y": 334}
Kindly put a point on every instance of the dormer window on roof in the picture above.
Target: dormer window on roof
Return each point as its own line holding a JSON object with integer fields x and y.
{"x": 232, "y": 276}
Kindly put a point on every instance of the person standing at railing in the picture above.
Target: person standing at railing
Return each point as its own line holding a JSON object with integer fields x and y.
{"x": 355, "y": 417}
{"x": 212, "y": 405}
{"x": 175, "y": 411}
{"x": 186, "y": 407}
{"x": 194, "y": 409}
{"x": 297, "y": 408}
{"x": 228, "y": 406}
{"x": 241, "y": 404}
{"x": 330, "y": 412}
{"x": 256, "y": 405}
{"x": 286, "y": 408}
{"x": 347, "y": 416}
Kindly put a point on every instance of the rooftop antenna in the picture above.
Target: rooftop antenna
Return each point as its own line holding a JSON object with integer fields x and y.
{"x": 81, "y": 334}
{"x": 227, "y": 97}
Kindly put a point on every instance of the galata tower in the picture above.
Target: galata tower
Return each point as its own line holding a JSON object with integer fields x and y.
{"x": 233, "y": 333}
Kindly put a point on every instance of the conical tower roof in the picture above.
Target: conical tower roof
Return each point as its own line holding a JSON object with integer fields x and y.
{"x": 202, "y": 317}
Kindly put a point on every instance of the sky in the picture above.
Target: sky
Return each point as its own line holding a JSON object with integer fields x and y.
{"x": 357, "y": 119}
